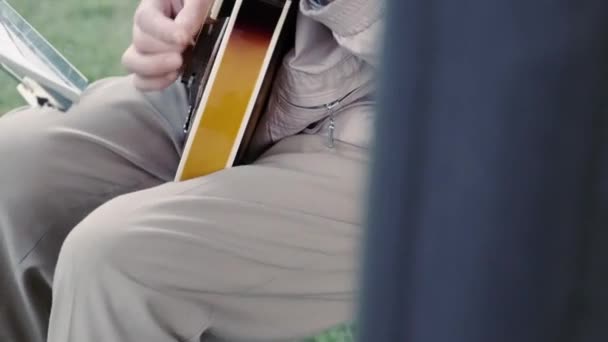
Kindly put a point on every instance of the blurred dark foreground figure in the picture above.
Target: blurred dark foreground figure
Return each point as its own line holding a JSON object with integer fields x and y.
{"x": 490, "y": 189}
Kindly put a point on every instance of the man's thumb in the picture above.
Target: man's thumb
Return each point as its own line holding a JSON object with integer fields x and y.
{"x": 193, "y": 15}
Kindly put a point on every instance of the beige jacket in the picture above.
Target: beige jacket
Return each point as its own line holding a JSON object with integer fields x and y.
{"x": 331, "y": 69}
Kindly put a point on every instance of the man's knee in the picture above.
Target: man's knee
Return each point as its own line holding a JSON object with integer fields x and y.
{"x": 24, "y": 191}
{"x": 106, "y": 241}
{"x": 23, "y": 155}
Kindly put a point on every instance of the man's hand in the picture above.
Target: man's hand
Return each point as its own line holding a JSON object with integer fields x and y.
{"x": 162, "y": 30}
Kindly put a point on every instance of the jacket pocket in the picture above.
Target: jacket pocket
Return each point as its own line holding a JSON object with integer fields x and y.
{"x": 291, "y": 118}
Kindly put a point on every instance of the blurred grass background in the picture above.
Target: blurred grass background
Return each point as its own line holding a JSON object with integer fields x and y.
{"x": 92, "y": 34}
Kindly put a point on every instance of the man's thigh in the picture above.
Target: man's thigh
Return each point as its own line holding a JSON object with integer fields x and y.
{"x": 111, "y": 118}
{"x": 114, "y": 141}
{"x": 55, "y": 168}
{"x": 271, "y": 247}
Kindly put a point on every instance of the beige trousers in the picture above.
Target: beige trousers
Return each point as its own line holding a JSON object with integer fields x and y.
{"x": 262, "y": 252}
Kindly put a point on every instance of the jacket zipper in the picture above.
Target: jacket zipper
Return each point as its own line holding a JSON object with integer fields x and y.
{"x": 331, "y": 108}
{"x": 332, "y": 123}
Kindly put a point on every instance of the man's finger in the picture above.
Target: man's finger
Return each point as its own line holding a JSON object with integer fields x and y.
{"x": 157, "y": 24}
{"x": 147, "y": 44}
{"x": 176, "y": 6}
{"x": 151, "y": 65}
{"x": 193, "y": 15}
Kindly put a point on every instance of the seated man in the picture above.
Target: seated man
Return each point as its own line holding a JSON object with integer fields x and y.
{"x": 267, "y": 251}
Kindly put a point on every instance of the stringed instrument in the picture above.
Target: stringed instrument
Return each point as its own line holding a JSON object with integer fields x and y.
{"x": 228, "y": 75}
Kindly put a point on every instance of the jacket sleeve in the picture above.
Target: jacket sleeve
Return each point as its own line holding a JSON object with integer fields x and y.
{"x": 356, "y": 24}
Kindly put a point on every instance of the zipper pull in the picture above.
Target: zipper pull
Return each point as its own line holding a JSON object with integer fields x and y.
{"x": 332, "y": 123}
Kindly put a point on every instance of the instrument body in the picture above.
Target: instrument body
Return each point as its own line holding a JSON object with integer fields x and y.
{"x": 228, "y": 77}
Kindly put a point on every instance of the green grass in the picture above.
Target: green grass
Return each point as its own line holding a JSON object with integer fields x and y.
{"x": 92, "y": 34}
